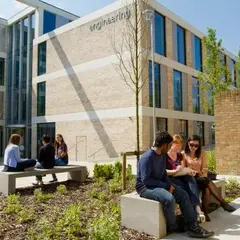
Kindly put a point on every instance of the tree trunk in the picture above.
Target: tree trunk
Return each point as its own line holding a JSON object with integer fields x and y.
{"x": 137, "y": 126}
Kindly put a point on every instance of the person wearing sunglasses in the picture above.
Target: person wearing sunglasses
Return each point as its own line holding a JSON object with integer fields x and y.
{"x": 195, "y": 159}
{"x": 153, "y": 183}
{"x": 175, "y": 164}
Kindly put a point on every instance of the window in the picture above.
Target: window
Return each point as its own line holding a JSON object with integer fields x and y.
{"x": 1, "y": 104}
{"x": 2, "y": 69}
{"x": 45, "y": 128}
{"x": 32, "y": 27}
{"x": 200, "y": 131}
{"x": 177, "y": 88}
{"x": 42, "y": 48}
{"x": 233, "y": 72}
{"x": 183, "y": 129}
{"x": 49, "y": 22}
{"x": 198, "y": 53}
{"x": 157, "y": 81}
{"x": 212, "y": 133}
{"x": 160, "y": 44}
{"x": 41, "y": 98}
{"x": 162, "y": 124}
{"x": 181, "y": 45}
{"x": 195, "y": 95}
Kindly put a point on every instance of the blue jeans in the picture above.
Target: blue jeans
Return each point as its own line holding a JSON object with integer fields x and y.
{"x": 189, "y": 184}
{"x": 168, "y": 202}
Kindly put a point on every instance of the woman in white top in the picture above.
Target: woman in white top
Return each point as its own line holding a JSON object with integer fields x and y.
{"x": 12, "y": 160}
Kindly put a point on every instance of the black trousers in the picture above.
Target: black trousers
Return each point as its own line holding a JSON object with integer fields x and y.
{"x": 21, "y": 166}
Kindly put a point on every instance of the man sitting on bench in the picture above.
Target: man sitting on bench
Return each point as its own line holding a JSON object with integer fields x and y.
{"x": 153, "y": 183}
{"x": 46, "y": 158}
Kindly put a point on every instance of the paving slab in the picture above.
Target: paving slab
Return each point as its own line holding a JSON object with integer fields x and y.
{"x": 225, "y": 225}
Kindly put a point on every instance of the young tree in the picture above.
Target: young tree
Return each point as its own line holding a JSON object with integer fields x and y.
{"x": 215, "y": 76}
{"x": 132, "y": 52}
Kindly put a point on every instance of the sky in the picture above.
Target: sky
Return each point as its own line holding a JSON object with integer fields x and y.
{"x": 222, "y": 15}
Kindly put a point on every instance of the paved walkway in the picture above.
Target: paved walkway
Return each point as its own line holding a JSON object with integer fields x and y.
{"x": 225, "y": 225}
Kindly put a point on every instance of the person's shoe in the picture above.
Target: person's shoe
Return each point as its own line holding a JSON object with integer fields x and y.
{"x": 208, "y": 219}
{"x": 201, "y": 217}
{"x": 53, "y": 181}
{"x": 199, "y": 232}
{"x": 227, "y": 207}
{"x": 37, "y": 183}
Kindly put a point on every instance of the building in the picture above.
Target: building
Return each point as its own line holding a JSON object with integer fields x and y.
{"x": 73, "y": 88}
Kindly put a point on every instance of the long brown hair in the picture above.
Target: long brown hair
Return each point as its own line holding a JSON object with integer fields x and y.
{"x": 56, "y": 144}
{"x": 15, "y": 139}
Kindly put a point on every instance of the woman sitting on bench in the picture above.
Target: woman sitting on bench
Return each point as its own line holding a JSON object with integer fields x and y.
{"x": 12, "y": 160}
{"x": 196, "y": 160}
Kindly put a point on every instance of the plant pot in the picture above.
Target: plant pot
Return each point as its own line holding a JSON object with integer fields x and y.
{"x": 212, "y": 176}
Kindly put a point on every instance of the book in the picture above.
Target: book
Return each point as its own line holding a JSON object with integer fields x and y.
{"x": 183, "y": 172}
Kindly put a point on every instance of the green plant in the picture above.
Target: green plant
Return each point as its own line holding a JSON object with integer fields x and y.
{"x": 40, "y": 197}
{"x": 61, "y": 189}
{"x": 211, "y": 161}
{"x": 26, "y": 215}
{"x": 105, "y": 171}
{"x": 13, "y": 204}
{"x": 232, "y": 184}
{"x": 100, "y": 182}
{"x": 105, "y": 227}
{"x": 93, "y": 193}
{"x": 129, "y": 174}
{"x": 117, "y": 169}
{"x": 70, "y": 223}
{"x": 115, "y": 186}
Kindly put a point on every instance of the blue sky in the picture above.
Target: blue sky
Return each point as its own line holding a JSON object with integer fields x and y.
{"x": 222, "y": 15}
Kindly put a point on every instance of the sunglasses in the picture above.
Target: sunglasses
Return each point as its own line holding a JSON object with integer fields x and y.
{"x": 193, "y": 145}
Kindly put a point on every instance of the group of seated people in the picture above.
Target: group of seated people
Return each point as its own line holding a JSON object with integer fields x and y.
{"x": 48, "y": 157}
{"x": 167, "y": 175}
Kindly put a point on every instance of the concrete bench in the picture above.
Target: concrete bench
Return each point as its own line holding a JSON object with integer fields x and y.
{"x": 8, "y": 179}
{"x": 144, "y": 215}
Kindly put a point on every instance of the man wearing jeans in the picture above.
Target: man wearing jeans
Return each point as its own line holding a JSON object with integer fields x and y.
{"x": 153, "y": 183}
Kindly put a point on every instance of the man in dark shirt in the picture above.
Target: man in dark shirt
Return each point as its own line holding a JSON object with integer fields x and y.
{"x": 46, "y": 158}
{"x": 153, "y": 183}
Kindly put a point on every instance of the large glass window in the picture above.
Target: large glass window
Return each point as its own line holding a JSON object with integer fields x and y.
{"x": 200, "y": 131}
{"x": 183, "y": 129}
{"x": 177, "y": 86}
{"x": 157, "y": 81}
{"x": 41, "y": 98}
{"x": 45, "y": 128}
{"x": 49, "y": 21}
{"x": 1, "y": 104}
{"x": 181, "y": 45}
{"x": 195, "y": 95}
{"x": 42, "y": 49}
{"x": 160, "y": 43}
{"x": 161, "y": 124}
{"x": 198, "y": 53}
{"x": 32, "y": 27}
{"x": 1, "y": 71}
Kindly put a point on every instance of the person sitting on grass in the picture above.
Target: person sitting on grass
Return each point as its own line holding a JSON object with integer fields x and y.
{"x": 175, "y": 165}
{"x": 46, "y": 158}
{"x": 61, "y": 154}
{"x": 12, "y": 159}
{"x": 152, "y": 183}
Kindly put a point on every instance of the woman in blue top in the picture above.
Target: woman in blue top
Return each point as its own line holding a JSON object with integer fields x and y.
{"x": 61, "y": 155}
{"x": 12, "y": 160}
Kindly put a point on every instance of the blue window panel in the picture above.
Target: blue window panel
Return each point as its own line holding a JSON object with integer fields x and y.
{"x": 60, "y": 21}
{"x": 42, "y": 52}
{"x": 195, "y": 95}
{"x": 41, "y": 98}
{"x": 198, "y": 53}
{"x": 157, "y": 81}
{"x": 177, "y": 87}
{"x": 160, "y": 43}
{"x": 49, "y": 22}
{"x": 181, "y": 48}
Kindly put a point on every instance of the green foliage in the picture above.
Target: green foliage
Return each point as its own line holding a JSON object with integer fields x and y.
{"x": 232, "y": 184}
{"x": 105, "y": 227}
{"x": 228, "y": 199}
{"x": 117, "y": 170}
{"x": 105, "y": 171}
{"x": 26, "y": 215}
{"x": 237, "y": 67}
{"x": 129, "y": 172}
{"x": 70, "y": 223}
{"x": 215, "y": 76}
{"x": 115, "y": 185}
{"x": 41, "y": 197}
{"x": 211, "y": 161}
{"x": 102, "y": 196}
{"x": 61, "y": 189}
{"x": 93, "y": 193}
{"x": 100, "y": 182}
{"x": 12, "y": 205}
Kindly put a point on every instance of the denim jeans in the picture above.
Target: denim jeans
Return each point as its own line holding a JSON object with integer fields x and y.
{"x": 189, "y": 184}
{"x": 39, "y": 166}
{"x": 168, "y": 202}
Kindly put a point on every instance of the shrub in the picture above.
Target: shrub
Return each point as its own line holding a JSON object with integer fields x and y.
{"x": 105, "y": 227}
{"x": 129, "y": 174}
{"x": 232, "y": 184}
{"x": 117, "y": 170}
{"x": 13, "y": 204}
{"x": 115, "y": 186}
{"x": 211, "y": 161}
{"x": 61, "y": 189}
{"x": 93, "y": 193}
{"x": 40, "y": 197}
{"x": 105, "y": 171}
{"x": 26, "y": 215}
{"x": 102, "y": 196}
{"x": 100, "y": 182}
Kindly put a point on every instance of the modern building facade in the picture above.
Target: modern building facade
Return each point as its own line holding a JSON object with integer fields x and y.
{"x": 67, "y": 82}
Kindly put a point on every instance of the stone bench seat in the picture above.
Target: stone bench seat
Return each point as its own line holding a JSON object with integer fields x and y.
{"x": 8, "y": 179}
{"x": 144, "y": 215}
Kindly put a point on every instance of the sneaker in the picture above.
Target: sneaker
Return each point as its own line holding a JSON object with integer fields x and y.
{"x": 199, "y": 232}
{"x": 53, "y": 181}
{"x": 37, "y": 183}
